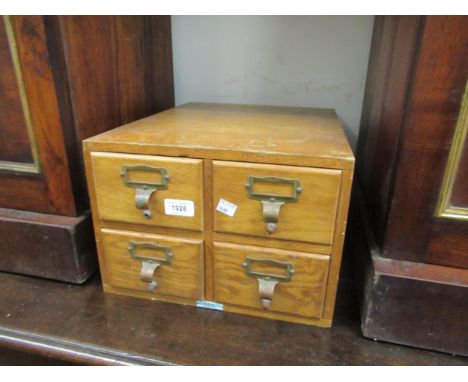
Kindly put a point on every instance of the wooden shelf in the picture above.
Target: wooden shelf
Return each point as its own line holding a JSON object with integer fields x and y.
{"x": 81, "y": 324}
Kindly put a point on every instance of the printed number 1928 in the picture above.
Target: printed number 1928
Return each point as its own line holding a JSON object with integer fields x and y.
{"x": 179, "y": 208}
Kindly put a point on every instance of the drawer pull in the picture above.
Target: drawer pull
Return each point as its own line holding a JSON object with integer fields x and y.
{"x": 144, "y": 190}
{"x": 272, "y": 203}
{"x": 267, "y": 281}
{"x": 150, "y": 264}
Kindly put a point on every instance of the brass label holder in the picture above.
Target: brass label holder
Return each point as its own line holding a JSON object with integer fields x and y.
{"x": 150, "y": 264}
{"x": 271, "y": 203}
{"x": 267, "y": 281}
{"x": 144, "y": 190}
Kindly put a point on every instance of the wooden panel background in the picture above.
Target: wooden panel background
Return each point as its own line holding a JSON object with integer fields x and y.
{"x": 437, "y": 89}
{"x": 15, "y": 145}
{"x": 83, "y": 75}
{"x": 390, "y": 68}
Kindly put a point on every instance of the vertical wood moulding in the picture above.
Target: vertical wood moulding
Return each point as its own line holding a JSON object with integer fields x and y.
{"x": 444, "y": 208}
{"x": 35, "y": 167}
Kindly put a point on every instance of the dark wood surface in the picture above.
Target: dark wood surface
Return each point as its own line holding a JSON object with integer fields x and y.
{"x": 417, "y": 77}
{"x": 438, "y": 85}
{"x": 417, "y": 304}
{"x": 14, "y": 141}
{"x": 411, "y": 264}
{"x": 119, "y": 70}
{"x": 12, "y": 357}
{"x": 81, "y": 324}
{"x": 459, "y": 194}
{"x": 82, "y": 75}
{"x": 388, "y": 78}
{"x": 50, "y": 246}
{"x": 51, "y": 190}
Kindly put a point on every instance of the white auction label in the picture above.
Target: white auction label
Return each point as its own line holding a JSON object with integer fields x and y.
{"x": 226, "y": 207}
{"x": 179, "y": 207}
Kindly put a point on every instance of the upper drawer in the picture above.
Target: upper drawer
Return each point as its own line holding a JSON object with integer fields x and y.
{"x": 281, "y": 202}
{"x": 142, "y": 189}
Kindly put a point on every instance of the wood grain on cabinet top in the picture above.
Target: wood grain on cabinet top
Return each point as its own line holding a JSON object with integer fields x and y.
{"x": 268, "y": 134}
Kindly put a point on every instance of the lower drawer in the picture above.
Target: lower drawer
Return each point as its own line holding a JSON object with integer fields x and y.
{"x": 270, "y": 279}
{"x": 162, "y": 265}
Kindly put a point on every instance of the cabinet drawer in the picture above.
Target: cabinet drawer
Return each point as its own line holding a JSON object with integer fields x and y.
{"x": 245, "y": 276}
{"x": 281, "y": 202}
{"x": 133, "y": 189}
{"x": 130, "y": 259}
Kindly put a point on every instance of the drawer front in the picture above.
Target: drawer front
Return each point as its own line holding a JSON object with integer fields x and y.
{"x": 129, "y": 259}
{"x": 240, "y": 279}
{"x": 281, "y": 202}
{"x": 133, "y": 189}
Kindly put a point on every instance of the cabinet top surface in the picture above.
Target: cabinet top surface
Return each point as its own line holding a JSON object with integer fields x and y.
{"x": 214, "y": 130}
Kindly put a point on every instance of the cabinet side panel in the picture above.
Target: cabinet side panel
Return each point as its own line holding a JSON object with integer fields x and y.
{"x": 415, "y": 232}
{"x": 159, "y": 78}
{"x": 388, "y": 80}
{"x": 119, "y": 70}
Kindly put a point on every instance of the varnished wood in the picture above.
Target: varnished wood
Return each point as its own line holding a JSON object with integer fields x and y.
{"x": 296, "y": 136}
{"x": 93, "y": 205}
{"x": 208, "y": 229}
{"x": 433, "y": 106}
{"x": 179, "y": 231}
{"x": 49, "y": 246}
{"x": 63, "y": 79}
{"x": 16, "y": 357}
{"x": 116, "y": 201}
{"x": 387, "y": 86}
{"x": 58, "y": 66}
{"x": 275, "y": 243}
{"x": 416, "y": 82}
{"x": 339, "y": 237}
{"x": 53, "y": 189}
{"x": 135, "y": 63}
{"x": 183, "y": 277}
{"x": 12, "y": 117}
{"x": 459, "y": 195}
{"x": 303, "y": 295}
{"x": 87, "y": 326}
{"x": 310, "y": 219}
{"x": 314, "y": 225}
{"x": 416, "y": 304}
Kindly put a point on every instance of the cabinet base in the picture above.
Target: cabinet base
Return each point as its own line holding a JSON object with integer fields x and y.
{"x": 415, "y": 304}
{"x": 324, "y": 323}
{"x": 50, "y": 246}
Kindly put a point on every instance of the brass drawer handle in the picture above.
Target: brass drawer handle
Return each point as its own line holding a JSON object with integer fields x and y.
{"x": 266, "y": 281}
{"x": 150, "y": 264}
{"x": 144, "y": 190}
{"x": 271, "y": 203}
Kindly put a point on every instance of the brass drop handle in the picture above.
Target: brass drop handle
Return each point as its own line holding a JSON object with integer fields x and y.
{"x": 266, "y": 281}
{"x": 150, "y": 264}
{"x": 144, "y": 190}
{"x": 271, "y": 203}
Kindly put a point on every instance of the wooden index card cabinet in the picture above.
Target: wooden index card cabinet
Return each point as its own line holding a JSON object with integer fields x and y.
{"x": 243, "y": 206}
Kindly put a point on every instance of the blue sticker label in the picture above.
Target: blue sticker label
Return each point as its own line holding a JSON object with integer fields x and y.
{"x": 209, "y": 305}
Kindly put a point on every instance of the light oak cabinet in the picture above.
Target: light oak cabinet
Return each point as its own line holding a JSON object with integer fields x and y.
{"x": 244, "y": 206}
